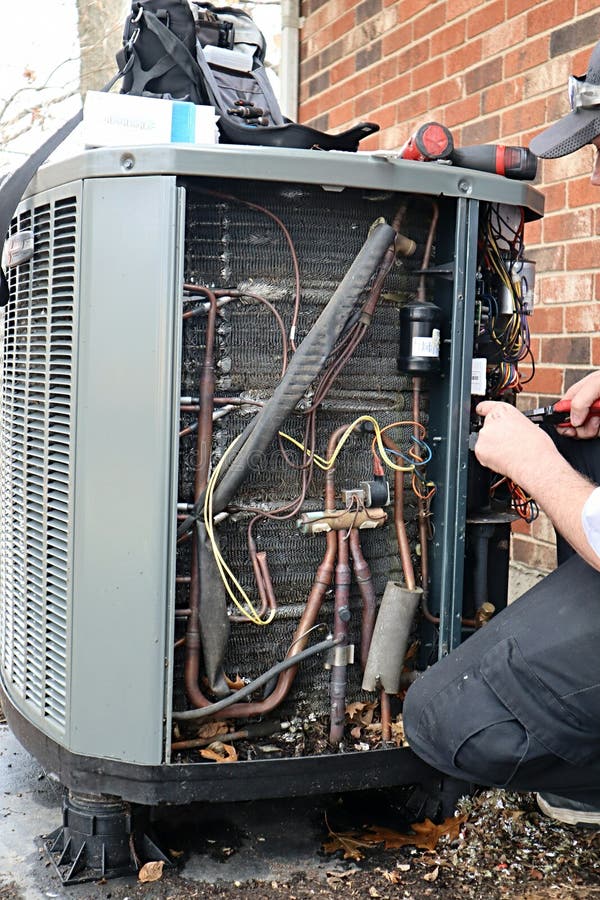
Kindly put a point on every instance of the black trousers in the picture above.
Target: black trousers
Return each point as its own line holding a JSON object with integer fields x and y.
{"x": 517, "y": 705}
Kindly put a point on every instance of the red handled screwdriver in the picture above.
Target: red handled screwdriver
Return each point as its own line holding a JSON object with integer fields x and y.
{"x": 558, "y": 413}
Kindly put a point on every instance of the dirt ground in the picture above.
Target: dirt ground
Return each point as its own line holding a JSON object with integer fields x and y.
{"x": 496, "y": 846}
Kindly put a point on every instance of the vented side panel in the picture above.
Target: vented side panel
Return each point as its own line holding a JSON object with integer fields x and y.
{"x": 36, "y": 421}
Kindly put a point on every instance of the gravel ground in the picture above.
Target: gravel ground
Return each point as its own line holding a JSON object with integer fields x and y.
{"x": 497, "y": 846}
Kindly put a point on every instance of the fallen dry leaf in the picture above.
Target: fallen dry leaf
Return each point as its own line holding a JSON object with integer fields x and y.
{"x": 212, "y": 729}
{"x": 432, "y": 876}
{"x": 151, "y": 871}
{"x": 393, "y": 877}
{"x": 361, "y": 713}
{"x": 221, "y": 753}
{"x": 425, "y": 834}
{"x": 349, "y": 844}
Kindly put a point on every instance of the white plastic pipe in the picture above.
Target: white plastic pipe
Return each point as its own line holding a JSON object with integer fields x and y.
{"x": 290, "y": 54}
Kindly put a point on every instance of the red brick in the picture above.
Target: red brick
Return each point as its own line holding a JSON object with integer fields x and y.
{"x": 533, "y": 232}
{"x": 410, "y": 8}
{"x": 555, "y": 196}
{"x": 398, "y": 39}
{"x": 569, "y": 287}
{"x": 385, "y": 70}
{"x": 548, "y": 15}
{"x": 499, "y": 96}
{"x": 542, "y": 530}
{"x": 583, "y": 6}
{"x": 394, "y": 90}
{"x": 459, "y": 7}
{"x": 547, "y": 320}
{"x": 519, "y": 118}
{"x": 567, "y": 167}
{"x": 462, "y": 111}
{"x": 366, "y": 103}
{"x": 412, "y": 57}
{"x": 385, "y": 116}
{"x": 499, "y": 39}
{"x": 429, "y": 74}
{"x": 520, "y": 526}
{"x": 583, "y": 319}
{"x": 569, "y": 225}
{"x": 546, "y": 380}
{"x": 341, "y": 114}
{"x": 533, "y": 554}
{"x": 411, "y": 107}
{"x": 342, "y": 70}
{"x": 596, "y": 351}
{"x": 583, "y": 254}
{"x": 514, "y": 7}
{"x": 580, "y": 192}
{"x": 464, "y": 57}
{"x": 533, "y": 53}
{"x": 485, "y": 19}
{"x": 341, "y": 26}
{"x": 310, "y": 109}
{"x": 579, "y": 63}
{"x": 574, "y": 351}
{"x": 445, "y": 92}
{"x": 432, "y": 18}
{"x": 451, "y": 36}
{"x": 483, "y": 131}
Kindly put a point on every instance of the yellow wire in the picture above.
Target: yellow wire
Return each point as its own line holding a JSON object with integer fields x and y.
{"x": 326, "y": 464}
{"x": 222, "y": 566}
{"x": 227, "y": 576}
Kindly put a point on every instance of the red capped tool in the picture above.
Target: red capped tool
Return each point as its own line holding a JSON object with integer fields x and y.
{"x": 429, "y": 142}
{"x": 558, "y": 413}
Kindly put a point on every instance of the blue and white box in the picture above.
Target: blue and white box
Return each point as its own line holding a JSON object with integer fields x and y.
{"x": 122, "y": 119}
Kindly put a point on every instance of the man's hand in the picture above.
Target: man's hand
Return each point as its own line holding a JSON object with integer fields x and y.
{"x": 510, "y": 444}
{"x": 582, "y": 395}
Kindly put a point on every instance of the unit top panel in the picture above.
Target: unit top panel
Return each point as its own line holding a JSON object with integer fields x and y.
{"x": 379, "y": 170}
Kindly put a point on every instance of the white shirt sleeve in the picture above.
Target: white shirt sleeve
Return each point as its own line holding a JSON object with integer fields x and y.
{"x": 590, "y": 519}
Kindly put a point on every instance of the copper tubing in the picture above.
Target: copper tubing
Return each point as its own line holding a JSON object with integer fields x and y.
{"x": 203, "y": 450}
{"x": 427, "y": 252}
{"x": 400, "y": 523}
{"x": 320, "y": 586}
{"x": 422, "y": 519}
{"x": 339, "y": 676}
{"x": 386, "y": 716}
{"x": 264, "y": 585}
{"x": 364, "y": 579}
{"x": 342, "y": 599}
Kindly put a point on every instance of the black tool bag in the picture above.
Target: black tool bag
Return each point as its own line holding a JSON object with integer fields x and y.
{"x": 215, "y": 55}
{"x": 165, "y": 54}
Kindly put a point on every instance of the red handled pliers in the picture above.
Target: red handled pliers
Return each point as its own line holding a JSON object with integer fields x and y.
{"x": 558, "y": 413}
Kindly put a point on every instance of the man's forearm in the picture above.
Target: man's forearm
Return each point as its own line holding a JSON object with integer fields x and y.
{"x": 562, "y": 492}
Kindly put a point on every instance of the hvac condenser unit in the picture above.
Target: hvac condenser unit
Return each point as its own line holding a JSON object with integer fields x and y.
{"x": 237, "y": 496}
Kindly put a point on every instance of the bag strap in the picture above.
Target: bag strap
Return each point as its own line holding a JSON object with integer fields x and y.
{"x": 261, "y": 77}
{"x": 213, "y": 90}
{"x": 14, "y": 186}
{"x": 176, "y": 54}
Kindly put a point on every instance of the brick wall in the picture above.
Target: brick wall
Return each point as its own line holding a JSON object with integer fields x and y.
{"x": 492, "y": 71}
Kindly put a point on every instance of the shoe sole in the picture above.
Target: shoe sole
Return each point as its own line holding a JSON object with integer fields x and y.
{"x": 568, "y": 816}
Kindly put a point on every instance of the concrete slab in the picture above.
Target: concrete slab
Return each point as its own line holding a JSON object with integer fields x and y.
{"x": 222, "y": 842}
